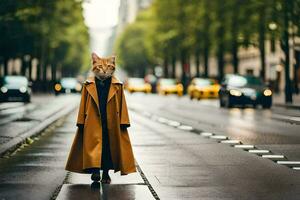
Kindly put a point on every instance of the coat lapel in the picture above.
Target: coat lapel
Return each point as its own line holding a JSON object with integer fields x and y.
{"x": 113, "y": 88}
{"x": 92, "y": 90}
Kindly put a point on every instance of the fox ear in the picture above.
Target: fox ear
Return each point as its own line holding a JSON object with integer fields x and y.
{"x": 94, "y": 56}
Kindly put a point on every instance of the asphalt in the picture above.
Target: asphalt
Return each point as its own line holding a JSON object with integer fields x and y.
{"x": 35, "y": 171}
{"x": 22, "y": 121}
{"x": 179, "y": 155}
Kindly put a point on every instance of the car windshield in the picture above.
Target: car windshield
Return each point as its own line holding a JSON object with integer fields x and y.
{"x": 136, "y": 81}
{"x": 168, "y": 82}
{"x": 15, "y": 81}
{"x": 241, "y": 81}
{"x": 68, "y": 82}
{"x": 204, "y": 82}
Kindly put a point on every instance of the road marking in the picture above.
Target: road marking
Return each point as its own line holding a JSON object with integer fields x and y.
{"x": 225, "y": 140}
{"x": 289, "y": 163}
{"x": 231, "y": 142}
{"x": 173, "y": 123}
{"x": 162, "y": 120}
{"x": 244, "y": 146}
{"x": 274, "y": 157}
{"x": 259, "y": 151}
{"x": 206, "y": 134}
{"x": 290, "y": 119}
{"x": 219, "y": 137}
{"x": 185, "y": 127}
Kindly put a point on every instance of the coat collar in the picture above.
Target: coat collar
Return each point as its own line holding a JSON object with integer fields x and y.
{"x": 92, "y": 90}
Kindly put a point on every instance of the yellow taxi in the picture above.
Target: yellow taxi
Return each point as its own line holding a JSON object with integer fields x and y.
{"x": 201, "y": 88}
{"x": 137, "y": 85}
{"x": 169, "y": 86}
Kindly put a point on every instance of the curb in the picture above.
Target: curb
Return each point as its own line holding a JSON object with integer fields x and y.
{"x": 14, "y": 143}
{"x": 290, "y": 106}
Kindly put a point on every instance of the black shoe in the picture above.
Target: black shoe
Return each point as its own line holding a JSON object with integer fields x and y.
{"x": 96, "y": 177}
{"x": 105, "y": 178}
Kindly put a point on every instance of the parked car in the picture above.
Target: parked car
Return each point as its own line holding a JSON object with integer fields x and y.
{"x": 15, "y": 88}
{"x": 67, "y": 85}
{"x": 244, "y": 90}
{"x": 137, "y": 85}
{"x": 169, "y": 86}
{"x": 200, "y": 88}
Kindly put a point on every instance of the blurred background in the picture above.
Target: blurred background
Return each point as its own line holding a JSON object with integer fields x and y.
{"x": 198, "y": 74}
{"x": 47, "y": 40}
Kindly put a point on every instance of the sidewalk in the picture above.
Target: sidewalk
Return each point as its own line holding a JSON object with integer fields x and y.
{"x": 177, "y": 164}
{"x": 14, "y": 133}
{"x": 279, "y": 100}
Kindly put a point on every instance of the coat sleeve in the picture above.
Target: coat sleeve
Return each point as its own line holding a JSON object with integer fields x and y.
{"x": 81, "y": 112}
{"x": 124, "y": 117}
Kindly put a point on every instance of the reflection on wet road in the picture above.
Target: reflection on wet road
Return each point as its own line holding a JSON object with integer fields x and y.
{"x": 262, "y": 127}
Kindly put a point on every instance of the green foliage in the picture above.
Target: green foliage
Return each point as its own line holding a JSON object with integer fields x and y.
{"x": 133, "y": 48}
{"x": 181, "y": 29}
{"x": 52, "y": 31}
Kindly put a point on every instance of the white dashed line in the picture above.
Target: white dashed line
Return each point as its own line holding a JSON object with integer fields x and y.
{"x": 219, "y": 137}
{"x": 289, "y": 163}
{"x": 225, "y": 140}
{"x": 206, "y": 134}
{"x": 185, "y": 127}
{"x": 231, "y": 142}
{"x": 244, "y": 146}
{"x": 173, "y": 123}
{"x": 274, "y": 157}
{"x": 259, "y": 151}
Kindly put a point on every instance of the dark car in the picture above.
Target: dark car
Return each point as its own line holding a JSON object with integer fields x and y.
{"x": 67, "y": 85}
{"x": 244, "y": 90}
{"x": 15, "y": 88}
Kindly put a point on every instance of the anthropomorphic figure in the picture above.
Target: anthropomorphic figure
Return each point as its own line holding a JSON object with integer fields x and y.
{"x": 102, "y": 141}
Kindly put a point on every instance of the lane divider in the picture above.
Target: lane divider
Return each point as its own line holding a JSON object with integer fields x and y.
{"x": 264, "y": 153}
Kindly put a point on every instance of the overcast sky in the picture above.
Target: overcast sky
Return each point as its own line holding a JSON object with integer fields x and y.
{"x": 100, "y": 16}
{"x": 101, "y": 13}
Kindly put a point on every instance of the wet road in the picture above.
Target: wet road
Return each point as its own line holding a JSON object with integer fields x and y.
{"x": 177, "y": 164}
{"x": 12, "y": 111}
{"x": 36, "y": 171}
{"x": 267, "y": 129}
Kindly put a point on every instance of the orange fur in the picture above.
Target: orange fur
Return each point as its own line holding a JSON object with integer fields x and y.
{"x": 103, "y": 68}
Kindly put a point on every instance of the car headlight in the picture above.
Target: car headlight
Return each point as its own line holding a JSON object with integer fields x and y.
{"x": 235, "y": 93}
{"x": 267, "y": 92}
{"x": 57, "y": 87}
{"x": 23, "y": 89}
{"x": 4, "y": 89}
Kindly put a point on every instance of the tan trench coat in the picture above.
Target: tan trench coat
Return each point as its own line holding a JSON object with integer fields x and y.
{"x": 86, "y": 148}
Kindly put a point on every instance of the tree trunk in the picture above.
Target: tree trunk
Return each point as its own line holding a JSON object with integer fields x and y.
{"x": 221, "y": 61}
{"x": 286, "y": 49}
{"x": 166, "y": 66}
{"x": 220, "y": 35}
{"x": 206, "y": 61}
{"x": 235, "y": 59}
{"x": 234, "y": 33}
{"x": 5, "y": 65}
{"x": 184, "y": 65}
{"x": 262, "y": 44}
{"x": 173, "y": 67}
{"x": 296, "y": 68}
{"x": 197, "y": 62}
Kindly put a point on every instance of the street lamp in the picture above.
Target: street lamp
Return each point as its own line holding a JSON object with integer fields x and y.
{"x": 272, "y": 27}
